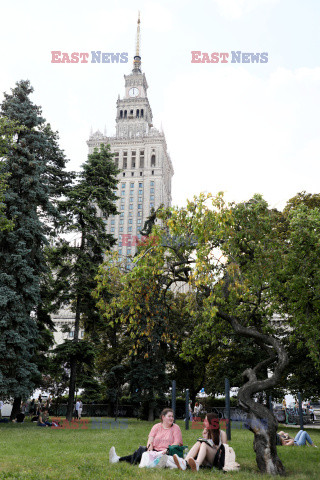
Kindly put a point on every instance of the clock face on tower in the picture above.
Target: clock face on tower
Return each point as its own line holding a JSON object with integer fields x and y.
{"x": 134, "y": 92}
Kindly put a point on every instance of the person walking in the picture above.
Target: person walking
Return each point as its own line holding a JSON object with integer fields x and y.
{"x": 77, "y": 408}
{"x": 80, "y": 409}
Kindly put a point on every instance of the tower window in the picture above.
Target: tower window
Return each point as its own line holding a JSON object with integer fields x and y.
{"x": 140, "y": 174}
{"x": 131, "y": 112}
{"x": 137, "y": 114}
{"x": 133, "y": 159}
{"x": 153, "y": 160}
{"x": 124, "y": 174}
{"x": 132, "y": 174}
{"x": 116, "y": 159}
{"x": 121, "y": 113}
{"x": 125, "y": 163}
{"x": 125, "y": 114}
{"x": 141, "y": 113}
{"x": 152, "y": 172}
{"x": 141, "y": 163}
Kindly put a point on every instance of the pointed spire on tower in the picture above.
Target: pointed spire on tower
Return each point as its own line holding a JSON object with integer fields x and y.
{"x": 137, "y": 57}
{"x": 138, "y": 37}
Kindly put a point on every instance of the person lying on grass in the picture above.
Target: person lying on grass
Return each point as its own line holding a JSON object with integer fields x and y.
{"x": 160, "y": 437}
{"x": 205, "y": 449}
{"x": 300, "y": 439}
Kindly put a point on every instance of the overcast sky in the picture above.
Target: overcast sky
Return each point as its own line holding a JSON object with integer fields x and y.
{"x": 241, "y": 128}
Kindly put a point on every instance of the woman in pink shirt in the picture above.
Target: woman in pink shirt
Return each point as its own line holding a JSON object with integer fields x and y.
{"x": 160, "y": 437}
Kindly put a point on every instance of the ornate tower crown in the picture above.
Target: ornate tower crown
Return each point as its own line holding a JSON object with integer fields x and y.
{"x": 134, "y": 114}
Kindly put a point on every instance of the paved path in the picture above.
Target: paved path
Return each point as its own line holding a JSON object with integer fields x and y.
{"x": 306, "y": 427}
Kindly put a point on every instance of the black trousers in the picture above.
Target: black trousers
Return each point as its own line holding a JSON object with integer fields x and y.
{"x": 135, "y": 457}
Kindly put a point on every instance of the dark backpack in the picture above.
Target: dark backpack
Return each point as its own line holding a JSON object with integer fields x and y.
{"x": 219, "y": 458}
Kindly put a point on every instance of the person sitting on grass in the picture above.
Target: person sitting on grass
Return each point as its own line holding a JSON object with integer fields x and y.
{"x": 300, "y": 439}
{"x": 160, "y": 437}
{"x": 43, "y": 420}
{"x": 205, "y": 449}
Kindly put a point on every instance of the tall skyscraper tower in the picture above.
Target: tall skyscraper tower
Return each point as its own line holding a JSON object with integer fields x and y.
{"x": 141, "y": 155}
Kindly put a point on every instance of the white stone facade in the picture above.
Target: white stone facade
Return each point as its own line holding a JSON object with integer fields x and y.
{"x": 64, "y": 320}
{"x": 140, "y": 152}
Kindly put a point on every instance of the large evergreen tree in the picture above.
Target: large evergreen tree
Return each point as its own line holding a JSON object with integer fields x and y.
{"x": 76, "y": 263}
{"x": 7, "y": 131}
{"x": 34, "y": 165}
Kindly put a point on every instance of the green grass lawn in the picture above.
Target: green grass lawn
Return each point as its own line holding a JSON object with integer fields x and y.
{"x": 34, "y": 453}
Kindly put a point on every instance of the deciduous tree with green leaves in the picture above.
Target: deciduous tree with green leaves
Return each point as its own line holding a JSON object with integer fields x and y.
{"x": 240, "y": 263}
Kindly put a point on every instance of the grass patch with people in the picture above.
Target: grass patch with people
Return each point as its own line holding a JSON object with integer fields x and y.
{"x": 30, "y": 452}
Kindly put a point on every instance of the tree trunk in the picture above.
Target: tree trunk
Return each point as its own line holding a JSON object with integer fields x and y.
{"x": 16, "y": 407}
{"x": 262, "y": 422}
{"x": 117, "y": 406}
{"x": 73, "y": 365}
{"x": 264, "y": 426}
{"x": 150, "y": 413}
{"x": 72, "y": 388}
